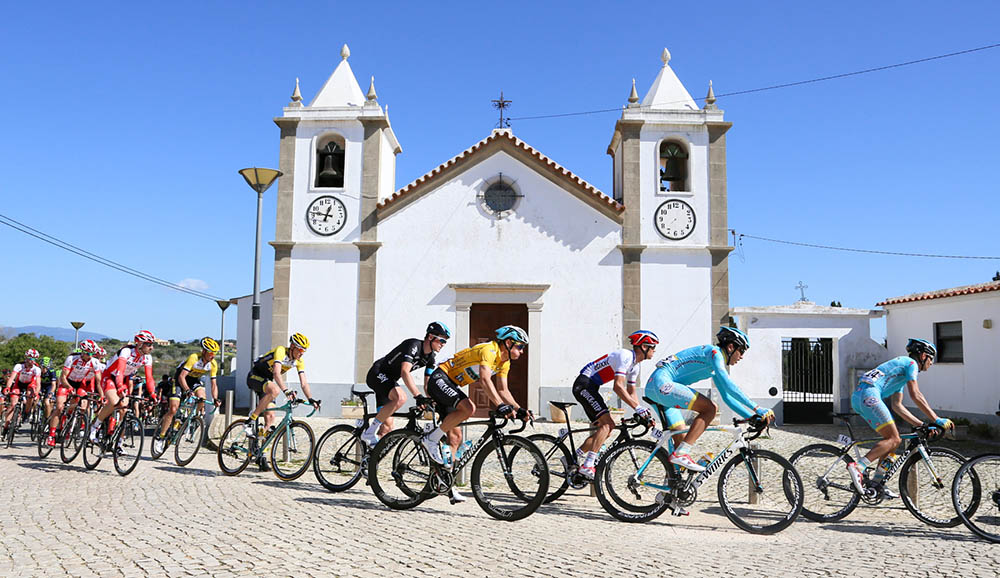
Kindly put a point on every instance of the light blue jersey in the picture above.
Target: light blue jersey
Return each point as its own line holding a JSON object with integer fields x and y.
{"x": 691, "y": 366}
{"x": 890, "y": 377}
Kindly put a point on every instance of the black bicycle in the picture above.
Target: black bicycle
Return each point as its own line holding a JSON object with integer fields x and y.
{"x": 925, "y": 475}
{"x": 510, "y": 477}
{"x": 975, "y": 495}
{"x": 563, "y": 466}
{"x": 341, "y": 458}
{"x": 124, "y": 443}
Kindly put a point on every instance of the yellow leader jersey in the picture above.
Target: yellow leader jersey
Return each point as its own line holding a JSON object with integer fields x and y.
{"x": 463, "y": 368}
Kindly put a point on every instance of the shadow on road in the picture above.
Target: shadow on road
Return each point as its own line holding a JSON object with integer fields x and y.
{"x": 958, "y": 534}
{"x": 188, "y": 471}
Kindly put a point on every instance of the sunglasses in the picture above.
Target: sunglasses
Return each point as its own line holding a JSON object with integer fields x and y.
{"x": 519, "y": 346}
{"x": 441, "y": 340}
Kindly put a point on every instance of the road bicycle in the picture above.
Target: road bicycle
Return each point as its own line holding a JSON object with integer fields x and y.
{"x": 186, "y": 432}
{"x": 291, "y": 442}
{"x": 75, "y": 432}
{"x": 123, "y": 440}
{"x": 63, "y": 427}
{"x": 509, "y": 474}
{"x": 36, "y": 420}
{"x": 341, "y": 458}
{"x": 759, "y": 491}
{"x": 975, "y": 495}
{"x": 563, "y": 467}
{"x": 17, "y": 418}
{"x": 924, "y": 476}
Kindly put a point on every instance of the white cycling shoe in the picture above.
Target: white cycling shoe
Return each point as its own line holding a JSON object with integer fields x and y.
{"x": 369, "y": 439}
{"x": 685, "y": 461}
{"x": 456, "y": 497}
{"x": 433, "y": 449}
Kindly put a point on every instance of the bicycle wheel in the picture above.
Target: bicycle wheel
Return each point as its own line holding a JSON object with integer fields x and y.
{"x": 620, "y": 491}
{"x": 15, "y": 423}
{"x": 399, "y": 470}
{"x": 340, "y": 459}
{"x": 829, "y": 493}
{"x": 189, "y": 441}
{"x": 982, "y": 517}
{"x": 74, "y": 436}
{"x": 166, "y": 443}
{"x": 557, "y": 456}
{"x": 292, "y": 451}
{"x": 44, "y": 449}
{"x": 235, "y": 448}
{"x": 772, "y": 507}
{"x": 35, "y": 419}
{"x": 928, "y": 496}
{"x": 510, "y": 480}
{"x": 93, "y": 453}
{"x": 127, "y": 445}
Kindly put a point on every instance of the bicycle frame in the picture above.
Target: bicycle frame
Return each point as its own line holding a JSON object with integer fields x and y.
{"x": 915, "y": 443}
{"x": 286, "y": 423}
{"x": 740, "y": 441}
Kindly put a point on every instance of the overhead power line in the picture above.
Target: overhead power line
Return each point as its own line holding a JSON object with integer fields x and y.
{"x": 42, "y": 236}
{"x": 738, "y": 237}
{"x": 778, "y": 86}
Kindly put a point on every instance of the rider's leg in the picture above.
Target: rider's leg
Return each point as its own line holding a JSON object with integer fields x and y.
{"x": 271, "y": 392}
{"x": 397, "y": 398}
{"x": 706, "y": 409}
{"x": 10, "y": 409}
{"x": 592, "y": 446}
{"x": 168, "y": 416}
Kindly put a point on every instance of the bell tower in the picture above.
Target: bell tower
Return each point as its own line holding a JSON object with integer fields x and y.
{"x": 337, "y": 154}
{"x": 669, "y": 159}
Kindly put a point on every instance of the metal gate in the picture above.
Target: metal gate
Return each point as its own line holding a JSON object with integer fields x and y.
{"x": 807, "y": 379}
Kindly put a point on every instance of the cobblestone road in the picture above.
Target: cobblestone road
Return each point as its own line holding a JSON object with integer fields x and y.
{"x": 166, "y": 520}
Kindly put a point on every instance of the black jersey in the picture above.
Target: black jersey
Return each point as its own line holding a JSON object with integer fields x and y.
{"x": 411, "y": 350}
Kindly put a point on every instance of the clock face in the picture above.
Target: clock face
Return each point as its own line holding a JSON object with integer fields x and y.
{"x": 674, "y": 219}
{"x": 326, "y": 215}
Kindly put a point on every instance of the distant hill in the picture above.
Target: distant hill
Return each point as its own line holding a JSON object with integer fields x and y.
{"x": 60, "y": 333}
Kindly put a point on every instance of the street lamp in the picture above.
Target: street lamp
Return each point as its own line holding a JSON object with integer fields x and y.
{"x": 223, "y": 304}
{"x": 76, "y": 336}
{"x": 259, "y": 180}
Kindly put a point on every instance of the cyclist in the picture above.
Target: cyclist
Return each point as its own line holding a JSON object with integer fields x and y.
{"x": 188, "y": 377}
{"x": 669, "y": 383}
{"x": 887, "y": 381}
{"x": 383, "y": 377}
{"x": 26, "y": 379}
{"x": 475, "y": 364}
{"x": 622, "y": 367}
{"x": 114, "y": 381}
{"x": 267, "y": 380}
{"x": 72, "y": 380}
{"x": 48, "y": 389}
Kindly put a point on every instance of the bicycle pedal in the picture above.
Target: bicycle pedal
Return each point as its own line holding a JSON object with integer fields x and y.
{"x": 679, "y": 511}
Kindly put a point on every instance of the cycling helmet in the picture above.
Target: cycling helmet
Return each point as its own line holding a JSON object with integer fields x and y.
{"x": 209, "y": 344}
{"x": 144, "y": 337}
{"x": 439, "y": 329}
{"x": 101, "y": 352}
{"x": 31, "y": 354}
{"x": 643, "y": 337}
{"x": 299, "y": 340}
{"x": 921, "y": 346}
{"x": 88, "y": 346}
{"x": 512, "y": 332}
{"x": 46, "y": 361}
{"x": 733, "y": 335}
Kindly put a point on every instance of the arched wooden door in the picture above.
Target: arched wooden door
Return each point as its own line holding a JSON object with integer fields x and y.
{"x": 484, "y": 319}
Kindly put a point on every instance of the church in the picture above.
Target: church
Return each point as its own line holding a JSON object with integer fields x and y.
{"x": 498, "y": 234}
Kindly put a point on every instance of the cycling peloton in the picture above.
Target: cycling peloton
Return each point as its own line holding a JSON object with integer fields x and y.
{"x": 384, "y": 375}
{"x": 25, "y": 379}
{"x": 668, "y": 386}
{"x": 622, "y": 367}
{"x": 887, "y": 381}
{"x": 73, "y": 381}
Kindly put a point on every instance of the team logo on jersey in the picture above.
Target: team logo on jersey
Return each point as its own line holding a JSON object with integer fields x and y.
{"x": 666, "y": 388}
{"x": 870, "y": 401}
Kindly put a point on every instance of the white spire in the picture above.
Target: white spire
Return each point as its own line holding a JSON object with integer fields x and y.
{"x": 710, "y": 98}
{"x": 296, "y": 95}
{"x": 341, "y": 89}
{"x": 371, "y": 91}
{"x": 667, "y": 91}
{"x": 633, "y": 97}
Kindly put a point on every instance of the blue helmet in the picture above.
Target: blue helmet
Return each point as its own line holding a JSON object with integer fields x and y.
{"x": 921, "y": 346}
{"x": 512, "y": 332}
{"x": 439, "y": 329}
{"x": 733, "y": 335}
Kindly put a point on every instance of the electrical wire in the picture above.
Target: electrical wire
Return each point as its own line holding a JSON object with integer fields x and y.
{"x": 42, "y": 236}
{"x": 778, "y": 86}
{"x": 738, "y": 237}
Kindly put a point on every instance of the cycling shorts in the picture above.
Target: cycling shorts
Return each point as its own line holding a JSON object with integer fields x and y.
{"x": 80, "y": 388}
{"x": 671, "y": 395}
{"x": 109, "y": 384}
{"x": 445, "y": 393}
{"x": 256, "y": 383}
{"x": 18, "y": 389}
{"x": 175, "y": 390}
{"x": 867, "y": 402}
{"x": 380, "y": 384}
{"x": 589, "y": 395}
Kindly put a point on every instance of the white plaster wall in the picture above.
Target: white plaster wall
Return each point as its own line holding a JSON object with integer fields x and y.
{"x": 696, "y": 141}
{"x": 243, "y": 328}
{"x": 972, "y": 386}
{"x": 387, "y": 171}
{"x": 677, "y": 297}
{"x": 323, "y": 296}
{"x": 306, "y": 139}
{"x": 552, "y": 237}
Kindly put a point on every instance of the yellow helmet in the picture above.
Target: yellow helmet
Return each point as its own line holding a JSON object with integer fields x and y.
{"x": 209, "y": 344}
{"x": 299, "y": 340}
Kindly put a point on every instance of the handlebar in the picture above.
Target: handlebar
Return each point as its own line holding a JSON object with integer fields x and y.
{"x": 635, "y": 422}
{"x": 756, "y": 426}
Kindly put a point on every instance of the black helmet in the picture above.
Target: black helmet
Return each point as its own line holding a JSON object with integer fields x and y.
{"x": 921, "y": 346}
{"x": 733, "y": 335}
{"x": 439, "y": 329}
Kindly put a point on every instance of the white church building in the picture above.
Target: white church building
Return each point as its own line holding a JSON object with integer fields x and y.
{"x": 499, "y": 234}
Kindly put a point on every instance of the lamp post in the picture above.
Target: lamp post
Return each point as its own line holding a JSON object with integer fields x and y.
{"x": 223, "y": 304}
{"x": 259, "y": 180}
{"x": 76, "y": 336}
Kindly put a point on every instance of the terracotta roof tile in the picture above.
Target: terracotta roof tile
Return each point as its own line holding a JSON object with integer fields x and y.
{"x": 954, "y": 292}
{"x": 589, "y": 190}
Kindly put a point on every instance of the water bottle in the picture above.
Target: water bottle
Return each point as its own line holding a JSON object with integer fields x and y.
{"x": 706, "y": 459}
{"x": 884, "y": 465}
{"x": 446, "y": 454}
{"x": 462, "y": 449}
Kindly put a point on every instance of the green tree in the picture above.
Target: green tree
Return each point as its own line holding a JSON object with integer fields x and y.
{"x": 12, "y": 350}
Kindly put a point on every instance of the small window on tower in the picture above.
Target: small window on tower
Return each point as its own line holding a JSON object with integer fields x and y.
{"x": 673, "y": 167}
{"x": 330, "y": 165}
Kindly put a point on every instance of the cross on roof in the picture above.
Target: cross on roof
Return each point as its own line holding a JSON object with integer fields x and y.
{"x": 502, "y": 104}
{"x": 802, "y": 288}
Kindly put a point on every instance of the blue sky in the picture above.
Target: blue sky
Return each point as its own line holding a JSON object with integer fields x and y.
{"x": 125, "y": 125}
